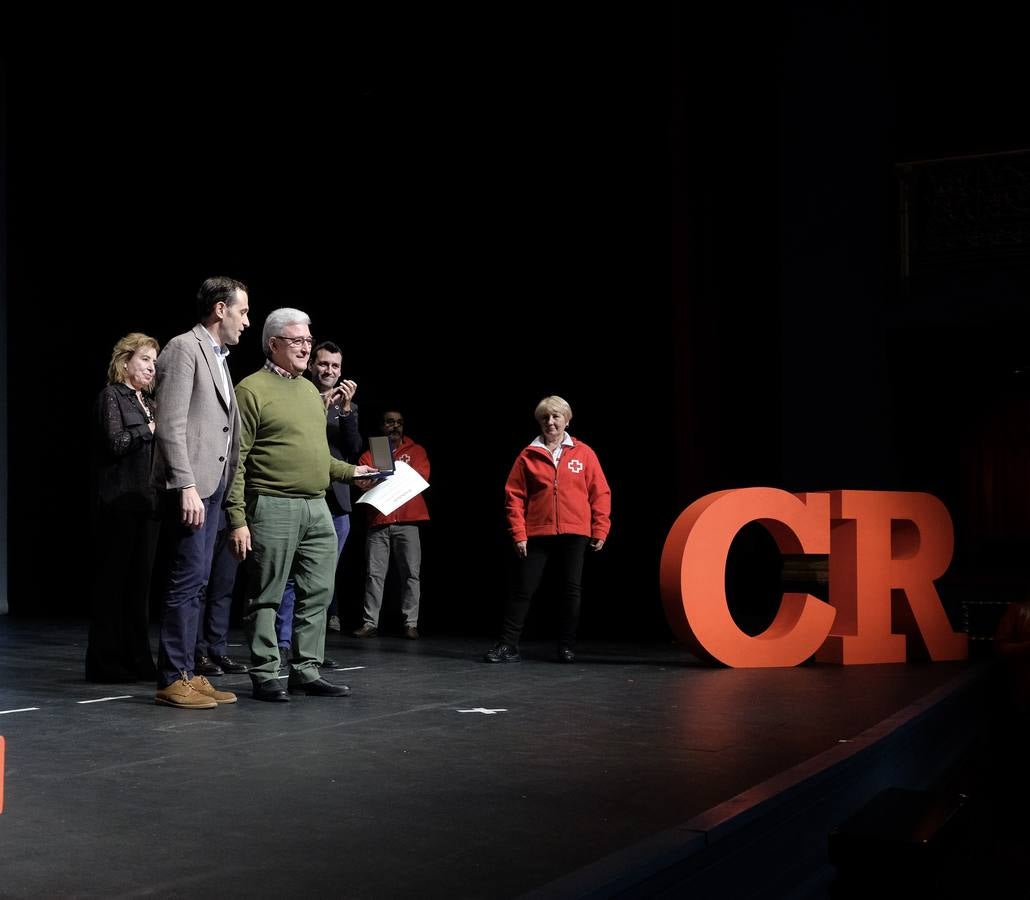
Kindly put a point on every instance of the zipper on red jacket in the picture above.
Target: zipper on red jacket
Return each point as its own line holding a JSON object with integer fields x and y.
{"x": 557, "y": 524}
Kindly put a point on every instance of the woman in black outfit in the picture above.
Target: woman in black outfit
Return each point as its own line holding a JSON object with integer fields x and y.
{"x": 125, "y": 521}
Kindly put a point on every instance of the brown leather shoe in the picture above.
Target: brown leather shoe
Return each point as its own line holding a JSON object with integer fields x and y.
{"x": 182, "y": 695}
{"x": 411, "y": 632}
{"x": 202, "y": 686}
{"x": 366, "y": 630}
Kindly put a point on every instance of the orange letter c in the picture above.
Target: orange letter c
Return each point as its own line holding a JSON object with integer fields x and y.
{"x": 693, "y": 576}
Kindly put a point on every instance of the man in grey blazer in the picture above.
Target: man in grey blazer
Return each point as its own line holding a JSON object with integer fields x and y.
{"x": 198, "y": 439}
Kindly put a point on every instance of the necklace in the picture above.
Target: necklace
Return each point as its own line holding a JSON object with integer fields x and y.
{"x": 147, "y": 411}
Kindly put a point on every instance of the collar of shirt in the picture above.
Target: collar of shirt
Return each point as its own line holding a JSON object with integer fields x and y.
{"x": 557, "y": 451}
{"x": 565, "y": 442}
{"x": 220, "y": 352}
{"x": 275, "y": 370}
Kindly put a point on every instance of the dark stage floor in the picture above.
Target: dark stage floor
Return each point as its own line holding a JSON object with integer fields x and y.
{"x": 439, "y": 777}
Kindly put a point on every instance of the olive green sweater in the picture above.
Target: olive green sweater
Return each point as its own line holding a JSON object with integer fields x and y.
{"x": 283, "y": 448}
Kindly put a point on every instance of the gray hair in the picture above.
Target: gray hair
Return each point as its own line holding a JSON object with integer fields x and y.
{"x": 278, "y": 319}
{"x": 553, "y": 404}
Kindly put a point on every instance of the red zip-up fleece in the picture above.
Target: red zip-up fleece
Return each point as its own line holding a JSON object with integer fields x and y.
{"x": 572, "y": 498}
{"x": 415, "y": 509}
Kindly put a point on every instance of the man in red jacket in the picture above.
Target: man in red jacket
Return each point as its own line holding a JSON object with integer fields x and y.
{"x": 395, "y": 535}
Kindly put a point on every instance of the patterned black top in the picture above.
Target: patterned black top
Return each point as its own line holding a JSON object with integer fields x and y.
{"x": 124, "y": 449}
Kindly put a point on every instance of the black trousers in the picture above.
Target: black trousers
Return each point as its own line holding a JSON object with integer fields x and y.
{"x": 119, "y": 632}
{"x": 566, "y": 551}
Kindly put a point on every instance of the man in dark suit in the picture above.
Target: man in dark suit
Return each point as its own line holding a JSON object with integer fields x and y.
{"x": 198, "y": 439}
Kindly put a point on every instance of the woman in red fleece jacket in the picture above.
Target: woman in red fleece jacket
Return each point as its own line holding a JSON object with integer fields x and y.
{"x": 557, "y": 501}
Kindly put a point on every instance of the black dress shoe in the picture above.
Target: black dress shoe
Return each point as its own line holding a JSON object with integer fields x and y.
{"x": 206, "y": 666}
{"x": 330, "y": 665}
{"x": 318, "y": 688}
{"x": 565, "y": 655}
{"x": 271, "y": 690}
{"x": 502, "y": 653}
{"x": 229, "y": 665}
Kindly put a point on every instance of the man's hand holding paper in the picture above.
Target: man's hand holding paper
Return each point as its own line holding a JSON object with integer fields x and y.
{"x": 396, "y": 490}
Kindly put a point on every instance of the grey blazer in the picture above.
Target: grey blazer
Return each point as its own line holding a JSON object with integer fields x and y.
{"x": 198, "y": 421}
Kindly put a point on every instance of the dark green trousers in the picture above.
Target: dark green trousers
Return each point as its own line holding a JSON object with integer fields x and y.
{"x": 289, "y": 537}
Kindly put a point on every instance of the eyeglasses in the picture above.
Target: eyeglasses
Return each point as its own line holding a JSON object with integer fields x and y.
{"x": 393, "y": 421}
{"x": 296, "y": 341}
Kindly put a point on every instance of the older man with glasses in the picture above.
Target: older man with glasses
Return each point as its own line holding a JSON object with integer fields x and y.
{"x": 344, "y": 437}
{"x": 278, "y": 516}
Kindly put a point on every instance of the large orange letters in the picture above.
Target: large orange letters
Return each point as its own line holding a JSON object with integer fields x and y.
{"x": 886, "y": 548}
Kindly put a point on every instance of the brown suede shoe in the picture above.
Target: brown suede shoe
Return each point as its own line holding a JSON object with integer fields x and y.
{"x": 204, "y": 687}
{"x": 182, "y": 694}
{"x": 366, "y": 630}
{"x": 411, "y": 632}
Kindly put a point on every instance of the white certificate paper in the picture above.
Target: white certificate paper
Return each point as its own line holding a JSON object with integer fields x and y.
{"x": 396, "y": 490}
